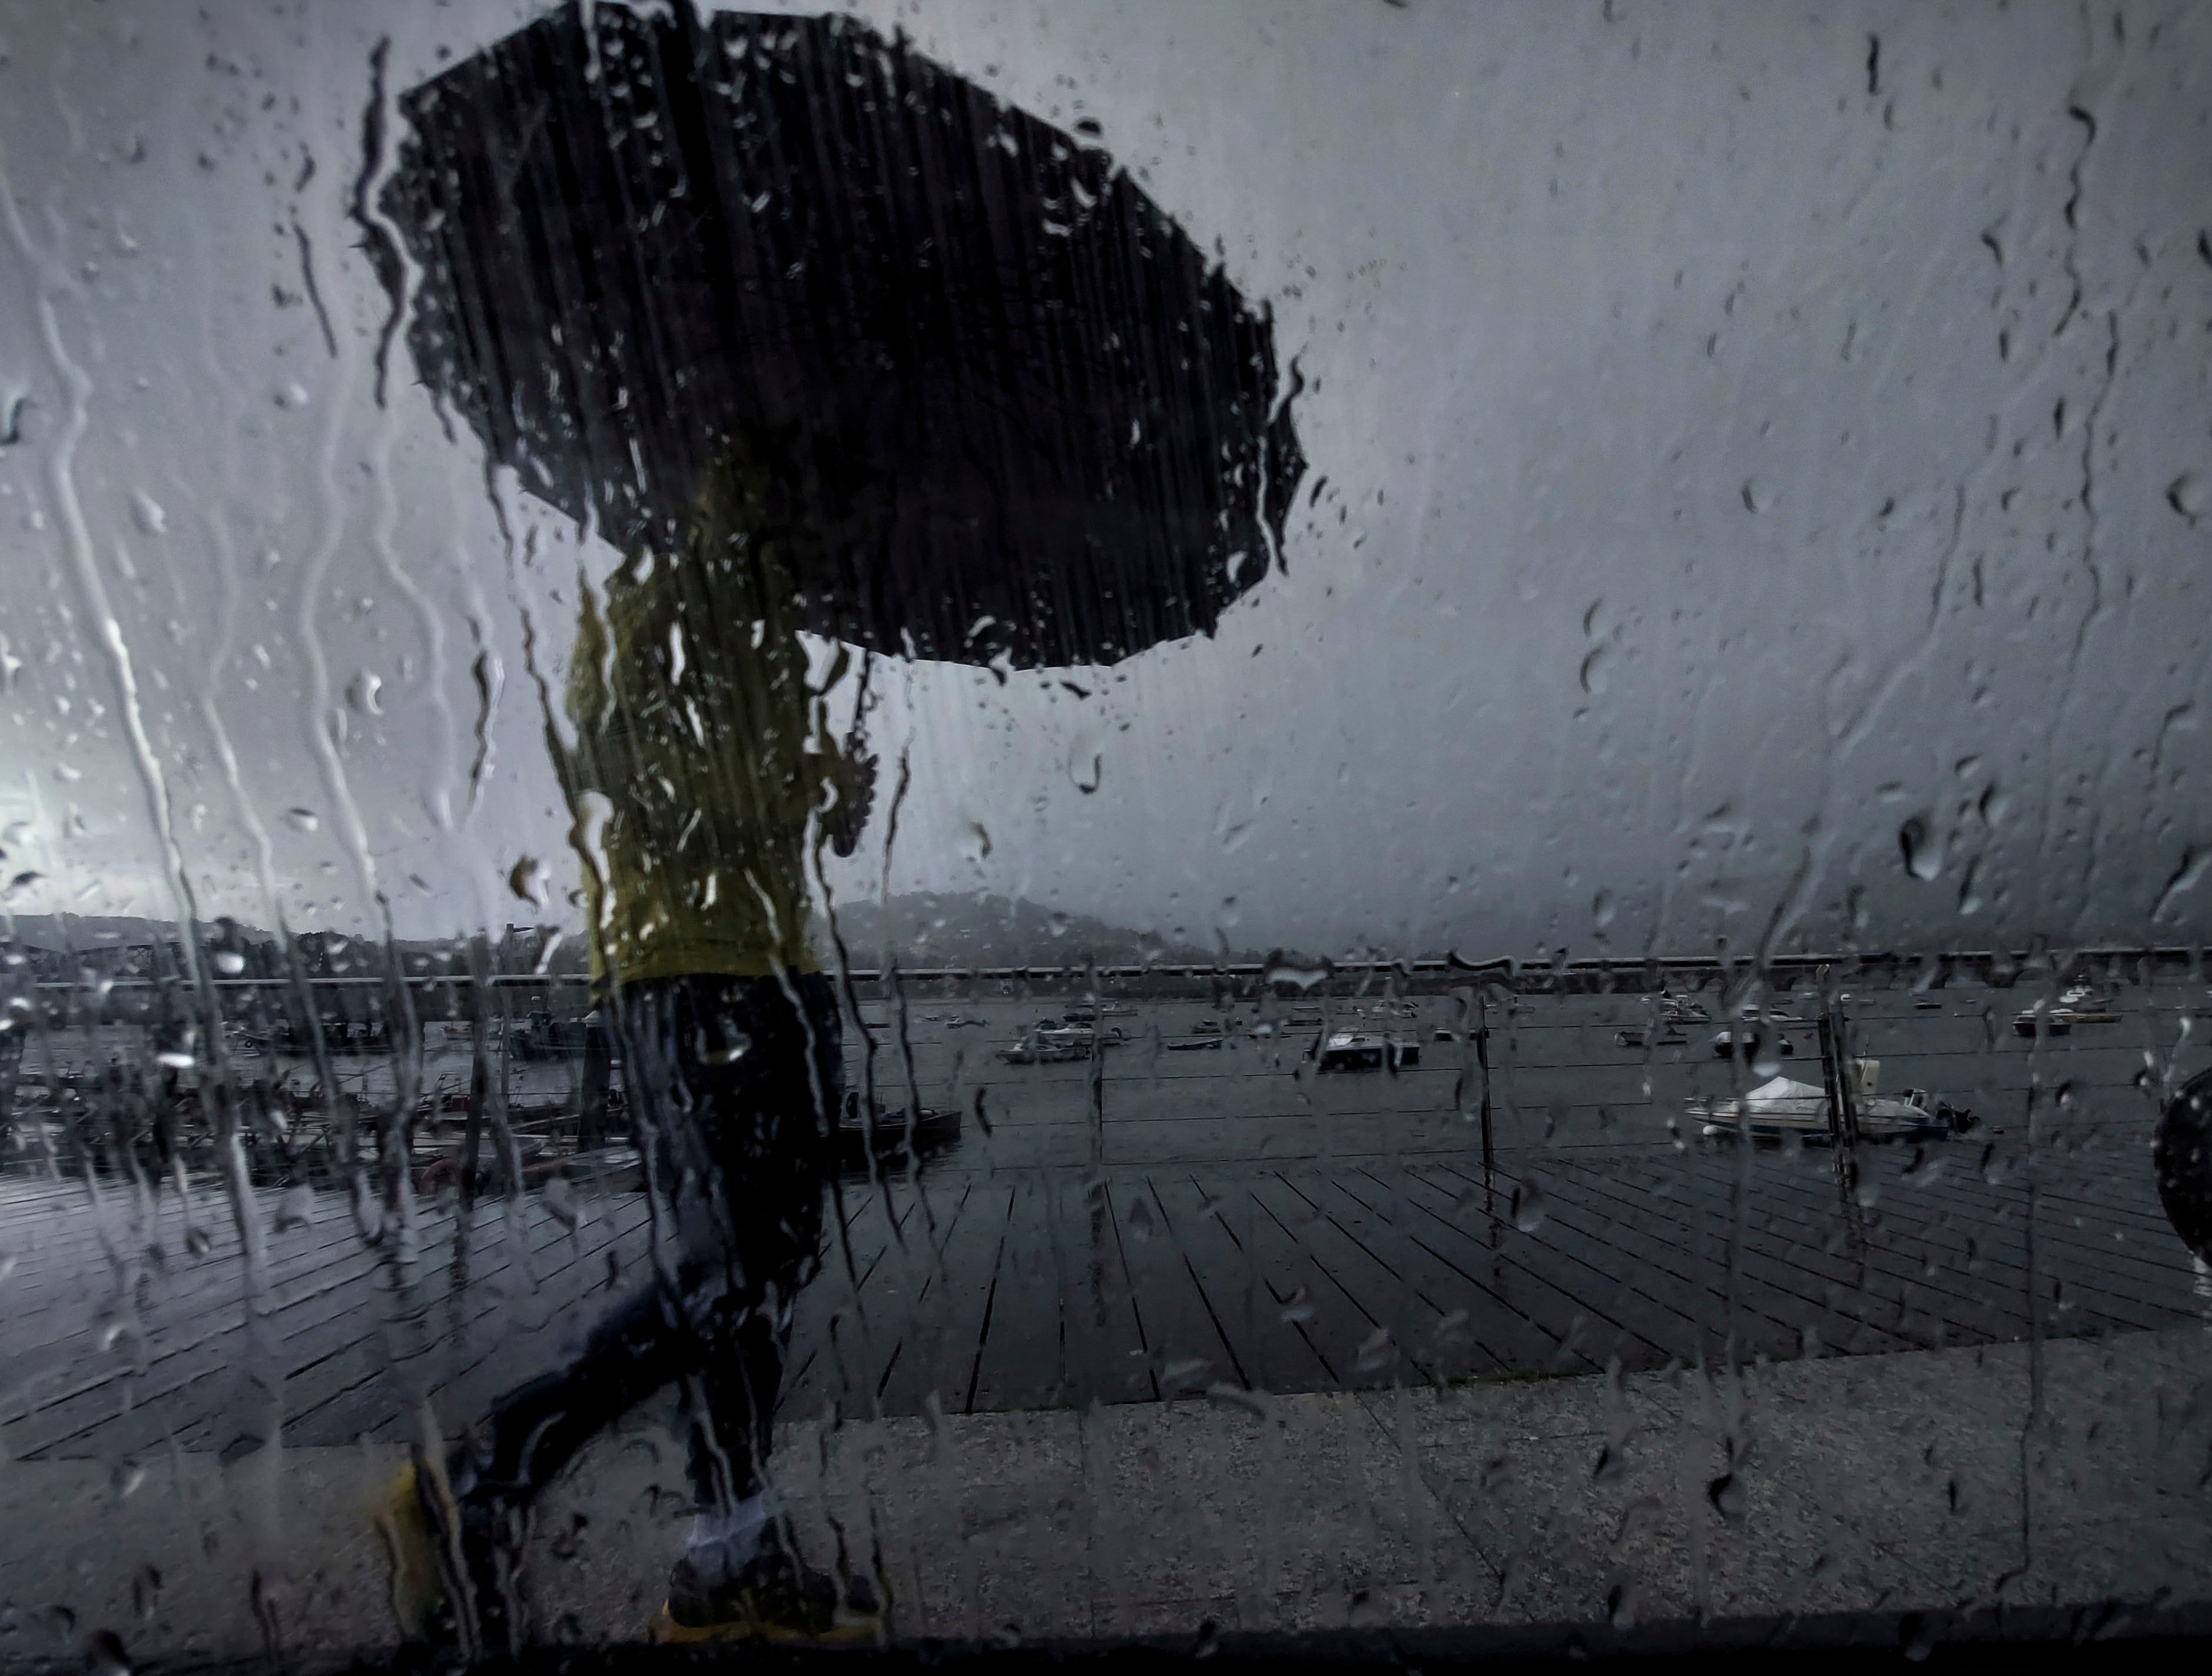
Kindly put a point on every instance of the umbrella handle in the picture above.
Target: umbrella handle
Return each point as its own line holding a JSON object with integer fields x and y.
{"x": 856, "y": 784}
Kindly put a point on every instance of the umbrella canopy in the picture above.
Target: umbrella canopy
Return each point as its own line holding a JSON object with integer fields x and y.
{"x": 1030, "y": 418}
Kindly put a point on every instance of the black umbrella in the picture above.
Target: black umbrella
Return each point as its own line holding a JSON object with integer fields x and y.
{"x": 1041, "y": 423}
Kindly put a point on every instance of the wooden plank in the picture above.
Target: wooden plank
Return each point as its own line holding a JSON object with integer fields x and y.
{"x": 1407, "y": 1313}
{"x": 1329, "y": 1316}
{"x": 1884, "y": 1281}
{"x": 1021, "y": 1361}
{"x": 359, "y": 1388}
{"x": 1777, "y": 1295}
{"x": 1573, "y": 1284}
{"x": 1785, "y": 1263}
{"x": 1102, "y": 1339}
{"x": 1272, "y": 1351}
{"x": 834, "y": 1351}
{"x": 1187, "y": 1349}
{"x": 952, "y": 1276}
{"x": 1384, "y": 1210}
{"x": 2120, "y": 1289}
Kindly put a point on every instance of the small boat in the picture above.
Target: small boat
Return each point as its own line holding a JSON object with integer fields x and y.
{"x": 918, "y": 1132}
{"x": 1050, "y": 1042}
{"x": 2077, "y": 1005}
{"x": 1361, "y": 1050}
{"x": 1780, "y": 1109}
{"x": 1083, "y": 1012}
{"x": 1753, "y": 1037}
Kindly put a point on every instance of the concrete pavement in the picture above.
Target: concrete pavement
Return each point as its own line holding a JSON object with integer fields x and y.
{"x": 1923, "y": 1480}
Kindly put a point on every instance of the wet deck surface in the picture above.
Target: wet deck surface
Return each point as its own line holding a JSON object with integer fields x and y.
{"x": 1189, "y": 1220}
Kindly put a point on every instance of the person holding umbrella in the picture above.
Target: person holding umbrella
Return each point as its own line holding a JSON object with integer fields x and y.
{"x": 827, "y": 340}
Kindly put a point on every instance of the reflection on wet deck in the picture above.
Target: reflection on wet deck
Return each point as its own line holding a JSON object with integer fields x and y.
{"x": 1185, "y": 1221}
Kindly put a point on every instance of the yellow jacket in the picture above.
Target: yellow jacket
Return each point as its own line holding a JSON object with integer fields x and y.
{"x": 700, "y": 753}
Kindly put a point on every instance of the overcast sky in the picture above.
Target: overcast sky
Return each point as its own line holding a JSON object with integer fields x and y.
{"x": 1750, "y": 431}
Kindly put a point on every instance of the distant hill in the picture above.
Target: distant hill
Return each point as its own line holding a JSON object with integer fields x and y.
{"x": 925, "y": 929}
{"x": 107, "y": 930}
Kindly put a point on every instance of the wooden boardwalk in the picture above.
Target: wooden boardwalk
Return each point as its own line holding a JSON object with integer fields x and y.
{"x": 128, "y": 1333}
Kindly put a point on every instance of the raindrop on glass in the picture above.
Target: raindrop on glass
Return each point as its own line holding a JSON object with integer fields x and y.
{"x": 365, "y": 694}
{"x": 561, "y": 1201}
{"x": 1921, "y": 849}
{"x": 1529, "y": 1206}
{"x": 528, "y": 879}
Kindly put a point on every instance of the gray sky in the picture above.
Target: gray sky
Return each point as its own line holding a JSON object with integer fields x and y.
{"x": 1741, "y": 439}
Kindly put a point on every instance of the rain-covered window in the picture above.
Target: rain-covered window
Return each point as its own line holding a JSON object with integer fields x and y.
{"x": 973, "y": 823}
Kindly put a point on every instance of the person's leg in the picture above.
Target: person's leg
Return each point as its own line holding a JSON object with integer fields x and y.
{"x": 755, "y": 1065}
{"x": 479, "y": 1505}
{"x": 534, "y": 1430}
{"x": 763, "y": 1057}
{"x": 523, "y": 1442}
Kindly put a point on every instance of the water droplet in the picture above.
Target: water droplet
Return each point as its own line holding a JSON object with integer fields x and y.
{"x": 146, "y": 513}
{"x": 1727, "y": 1495}
{"x": 1602, "y": 909}
{"x": 197, "y": 1241}
{"x": 1140, "y": 1220}
{"x": 528, "y": 879}
{"x": 1591, "y": 675}
{"x": 1086, "y": 766}
{"x": 1300, "y": 974}
{"x": 104, "y": 1655}
{"x": 1621, "y": 1604}
{"x": 1755, "y": 499}
{"x": 1529, "y": 1206}
{"x": 1916, "y": 1637}
{"x": 2189, "y": 495}
{"x": 365, "y": 694}
{"x": 229, "y": 962}
{"x": 145, "y": 1591}
{"x": 1923, "y": 850}
{"x": 296, "y": 1209}
{"x": 561, "y": 1201}
{"x": 302, "y": 820}
{"x": 732, "y": 1046}
{"x": 1640, "y": 1519}
{"x": 175, "y": 1059}
{"x": 20, "y": 884}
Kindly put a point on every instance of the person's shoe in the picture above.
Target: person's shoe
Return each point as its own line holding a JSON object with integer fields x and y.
{"x": 772, "y": 1597}
{"x": 446, "y": 1560}
{"x": 419, "y": 1600}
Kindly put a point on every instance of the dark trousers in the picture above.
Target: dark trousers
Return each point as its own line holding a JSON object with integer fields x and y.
{"x": 734, "y": 1087}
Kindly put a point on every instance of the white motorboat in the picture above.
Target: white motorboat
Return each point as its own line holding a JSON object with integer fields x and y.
{"x": 2076, "y": 1006}
{"x": 1051, "y": 1042}
{"x": 1362, "y": 1050}
{"x": 1780, "y": 1109}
